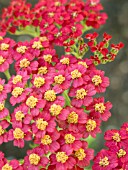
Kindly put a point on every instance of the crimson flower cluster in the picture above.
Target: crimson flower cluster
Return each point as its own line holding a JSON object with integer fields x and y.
{"x": 116, "y": 156}
{"x": 53, "y": 98}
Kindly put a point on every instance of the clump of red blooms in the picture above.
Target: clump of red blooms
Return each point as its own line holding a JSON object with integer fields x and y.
{"x": 53, "y": 98}
{"x": 116, "y": 156}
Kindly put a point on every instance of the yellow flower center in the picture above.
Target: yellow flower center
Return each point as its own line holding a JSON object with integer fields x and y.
{"x": 17, "y": 91}
{"x": 16, "y": 79}
{"x": 2, "y": 60}
{"x": 19, "y": 116}
{"x": 69, "y": 138}
{"x": 59, "y": 79}
{"x": 51, "y": 14}
{"x": 104, "y": 162}
{"x": 90, "y": 125}
{"x": 42, "y": 70}
{"x": 1, "y": 106}
{"x": 97, "y": 80}
{"x": 83, "y": 64}
{"x": 46, "y": 140}
{"x": 81, "y": 93}
{"x": 31, "y": 101}
{"x": 99, "y": 107}
{"x": 121, "y": 153}
{"x": 34, "y": 159}
{"x": 42, "y": 39}
{"x": 116, "y": 137}
{"x": 55, "y": 109}
{"x": 48, "y": 58}
{"x": 24, "y": 63}
{"x": 4, "y": 46}
{"x": 39, "y": 81}
{"x": 65, "y": 61}
{"x": 50, "y": 95}
{"x": 41, "y": 124}
{"x": 75, "y": 74}
{"x": 7, "y": 167}
{"x": 57, "y": 3}
{"x": 61, "y": 157}
{"x": 1, "y": 88}
{"x": 21, "y": 49}
{"x": 18, "y": 133}
{"x": 80, "y": 154}
{"x": 1, "y": 130}
{"x": 37, "y": 45}
{"x": 73, "y": 117}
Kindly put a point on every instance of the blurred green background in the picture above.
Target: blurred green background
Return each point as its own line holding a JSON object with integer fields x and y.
{"x": 117, "y": 71}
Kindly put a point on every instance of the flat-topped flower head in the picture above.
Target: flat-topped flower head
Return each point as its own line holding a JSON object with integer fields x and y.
{"x": 105, "y": 160}
{"x": 82, "y": 95}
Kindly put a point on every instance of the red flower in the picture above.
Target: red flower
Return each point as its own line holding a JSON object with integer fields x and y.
{"x": 76, "y": 73}
{"x": 20, "y": 116}
{"x": 71, "y": 139}
{"x": 105, "y": 160}
{"x": 43, "y": 123}
{"x": 49, "y": 141}
{"x": 82, "y": 95}
{"x": 19, "y": 135}
{"x": 91, "y": 127}
{"x": 99, "y": 109}
{"x": 62, "y": 159}
{"x": 35, "y": 158}
{"x": 99, "y": 80}
{"x": 83, "y": 155}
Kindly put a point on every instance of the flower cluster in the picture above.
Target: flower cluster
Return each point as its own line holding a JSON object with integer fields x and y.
{"x": 53, "y": 98}
{"x": 116, "y": 157}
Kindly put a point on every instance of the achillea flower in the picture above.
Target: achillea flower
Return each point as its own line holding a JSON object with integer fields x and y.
{"x": 20, "y": 79}
{"x": 63, "y": 159}
{"x": 116, "y": 137}
{"x": 22, "y": 51}
{"x": 82, "y": 95}
{"x": 35, "y": 158}
{"x": 19, "y": 94}
{"x": 105, "y": 160}
{"x": 91, "y": 127}
{"x": 65, "y": 62}
{"x": 40, "y": 83}
{"x": 71, "y": 139}
{"x": 35, "y": 102}
{"x": 74, "y": 118}
{"x": 49, "y": 142}
{"x": 26, "y": 64}
{"x": 77, "y": 73}
{"x": 83, "y": 155}
{"x": 19, "y": 135}
{"x": 99, "y": 80}
{"x": 99, "y": 109}
{"x": 13, "y": 164}
{"x": 61, "y": 81}
{"x": 43, "y": 123}
{"x": 20, "y": 116}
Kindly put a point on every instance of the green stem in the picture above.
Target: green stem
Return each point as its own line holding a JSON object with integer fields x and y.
{"x": 67, "y": 99}
{"x": 7, "y": 74}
